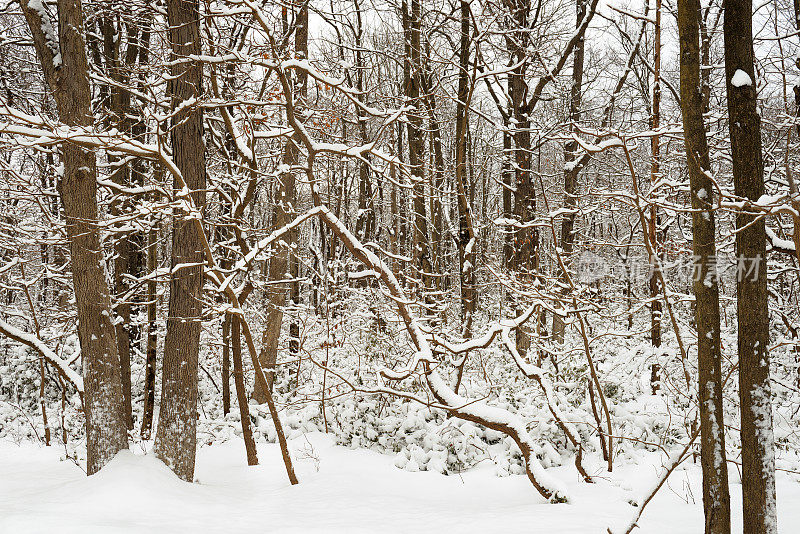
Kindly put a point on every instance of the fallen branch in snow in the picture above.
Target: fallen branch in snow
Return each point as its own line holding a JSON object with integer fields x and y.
{"x": 467, "y": 409}
{"x": 538, "y": 374}
{"x": 674, "y": 462}
{"x": 503, "y": 328}
{"x": 594, "y": 380}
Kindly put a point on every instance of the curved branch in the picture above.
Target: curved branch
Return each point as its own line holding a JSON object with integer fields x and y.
{"x": 39, "y": 346}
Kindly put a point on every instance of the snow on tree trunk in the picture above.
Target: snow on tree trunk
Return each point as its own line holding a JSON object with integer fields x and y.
{"x": 716, "y": 496}
{"x": 758, "y": 456}
{"x": 66, "y": 70}
{"x": 176, "y": 436}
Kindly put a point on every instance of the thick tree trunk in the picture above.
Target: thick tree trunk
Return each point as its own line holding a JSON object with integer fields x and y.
{"x": 716, "y": 497}
{"x": 758, "y": 448}
{"x": 66, "y": 71}
{"x": 176, "y": 436}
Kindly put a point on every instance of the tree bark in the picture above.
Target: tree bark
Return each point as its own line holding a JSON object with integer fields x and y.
{"x": 282, "y": 263}
{"x": 758, "y": 454}
{"x": 117, "y": 106}
{"x": 226, "y": 364}
{"x": 241, "y": 393}
{"x": 571, "y": 170}
{"x": 66, "y": 70}
{"x": 416, "y": 152}
{"x": 176, "y": 436}
{"x": 152, "y": 337}
{"x": 466, "y": 232}
{"x": 653, "y": 220}
{"x": 716, "y": 496}
{"x": 524, "y": 259}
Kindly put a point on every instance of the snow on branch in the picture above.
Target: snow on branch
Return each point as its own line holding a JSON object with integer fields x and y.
{"x": 461, "y": 407}
{"x": 777, "y": 244}
{"x": 39, "y": 346}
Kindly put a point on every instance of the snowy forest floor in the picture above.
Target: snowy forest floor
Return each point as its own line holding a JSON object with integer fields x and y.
{"x": 340, "y": 490}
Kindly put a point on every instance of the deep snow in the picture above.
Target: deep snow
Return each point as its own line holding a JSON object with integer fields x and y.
{"x": 340, "y": 490}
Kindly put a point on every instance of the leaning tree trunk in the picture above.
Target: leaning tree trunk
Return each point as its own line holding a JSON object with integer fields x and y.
{"x": 66, "y": 70}
{"x": 716, "y": 497}
{"x": 758, "y": 448}
{"x": 241, "y": 392}
{"x": 176, "y": 436}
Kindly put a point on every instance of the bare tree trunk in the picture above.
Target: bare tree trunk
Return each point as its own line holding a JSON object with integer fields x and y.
{"x": 571, "y": 170}
{"x": 282, "y": 261}
{"x": 226, "y": 364}
{"x": 365, "y": 220}
{"x": 301, "y": 50}
{"x": 797, "y": 85}
{"x": 508, "y": 185}
{"x": 42, "y": 376}
{"x": 716, "y": 497}
{"x": 416, "y": 151}
{"x": 278, "y": 269}
{"x": 792, "y": 182}
{"x": 241, "y": 393}
{"x": 758, "y": 448}
{"x": 524, "y": 261}
{"x": 655, "y": 169}
{"x": 66, "y": 70}
{"x": 145, "y": 257}
{"x": 466, "y": 232}
{"x": 152, "y": 337}
{"x": 466, "y": 229}
{"x": 436, "y": 183}
{"x": 117, "y": 105}
{"x": 176, "y": 436}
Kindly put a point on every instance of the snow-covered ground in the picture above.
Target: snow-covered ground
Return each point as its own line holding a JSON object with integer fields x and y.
{"x": 340, "y": 490}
